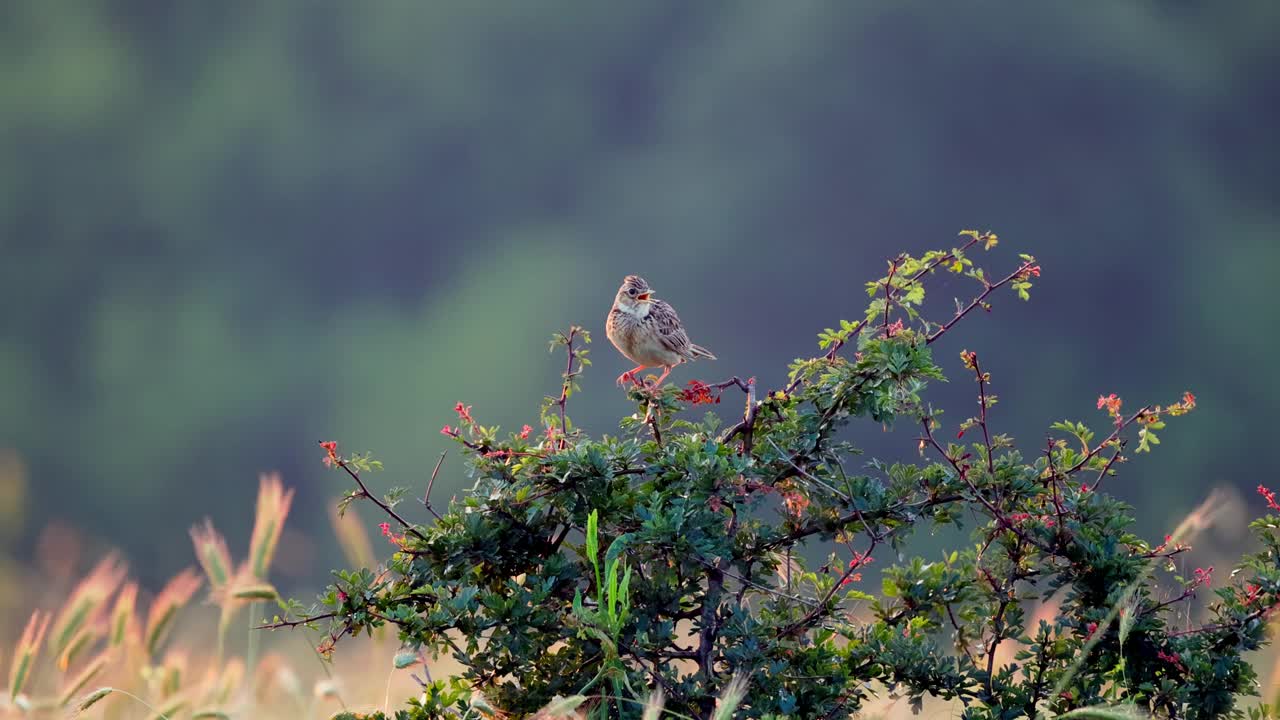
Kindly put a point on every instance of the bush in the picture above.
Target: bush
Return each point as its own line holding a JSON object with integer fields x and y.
{"x": 659, "y": 565}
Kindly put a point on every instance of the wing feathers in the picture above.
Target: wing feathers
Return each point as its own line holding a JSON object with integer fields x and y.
{"x": 671, "y": 332}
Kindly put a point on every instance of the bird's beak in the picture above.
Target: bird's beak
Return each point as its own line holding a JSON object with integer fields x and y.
{"x": 642, "y": 296}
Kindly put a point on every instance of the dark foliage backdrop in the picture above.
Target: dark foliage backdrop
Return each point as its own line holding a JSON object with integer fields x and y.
{"x": 231, "y": 229}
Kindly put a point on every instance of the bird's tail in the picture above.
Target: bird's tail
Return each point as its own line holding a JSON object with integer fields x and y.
{"x": 697, "y": 351}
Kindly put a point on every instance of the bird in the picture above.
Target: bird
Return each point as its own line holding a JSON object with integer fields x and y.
{"x": 648, "y": 332}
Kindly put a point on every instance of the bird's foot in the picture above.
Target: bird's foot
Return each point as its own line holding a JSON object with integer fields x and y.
{"x": 629, "y": 377}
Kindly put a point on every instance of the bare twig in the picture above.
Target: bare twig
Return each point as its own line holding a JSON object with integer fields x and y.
{"x": 566, "y": 386}
{"x": 295, "y": 623}
{"x": 426, "y": 497}
{"x": 818, "y": 611}
{"x": 816, "y": 526}
{"x": 1120, "y": 427}
{"x": 1241, "y": 623}
{"x": 707, "y": 622}
{"x": 743, "y": 385}
{"x": 1053, "y": 479}
{"x": 1107, "y": 468}
{"x": 997, "y": 627}
{"x": 1187, "y": 592}
{"x": 745, "y": 426}
{"x": 983, "y": 378}
{"x": 888, "y": 292}
{"x": 746, "y": 582}
{"x": 364, "y": 492}
{"x": 810, "y": 476}
{"x": 960, "y": 638}
{"x": 979, "y": 300}
{"x": 651, "y": 418}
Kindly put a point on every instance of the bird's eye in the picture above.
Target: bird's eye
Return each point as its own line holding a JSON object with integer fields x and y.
{"x": 632, "y": 292}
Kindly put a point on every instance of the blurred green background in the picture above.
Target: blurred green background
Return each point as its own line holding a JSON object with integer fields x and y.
{"x": 231, "y": 229}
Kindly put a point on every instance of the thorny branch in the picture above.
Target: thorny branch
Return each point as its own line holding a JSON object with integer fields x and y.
{"x": 961, "y": 640}
{"x": 364, "y": 492}
{"x": 980, "y": 300}
{"x": 295, "y": 623}
{"x": 566, "y": 387}
{"x": 1115, "y": 434}
{"x": 817, "y": 612}
{"x": 1107, "y": 468}
{"x": 426, "y": 496}
{"x": 814, "y": 479}
{"x": 746, "y": 426}
{"x": 892, "y": 292}
{"x": 903, "y": 511}
{"x": 983, "y": 379}
{"x": 963, "y": 473}
{"x": 888, "y": 291}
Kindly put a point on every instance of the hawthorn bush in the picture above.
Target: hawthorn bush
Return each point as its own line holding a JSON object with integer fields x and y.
{"x": 660, "y": 564}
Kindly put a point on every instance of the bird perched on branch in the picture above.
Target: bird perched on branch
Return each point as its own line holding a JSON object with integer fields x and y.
{"x": 648, "y": 331}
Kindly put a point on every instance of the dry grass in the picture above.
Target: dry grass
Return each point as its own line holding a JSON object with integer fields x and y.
{"x": 103, "y": 653}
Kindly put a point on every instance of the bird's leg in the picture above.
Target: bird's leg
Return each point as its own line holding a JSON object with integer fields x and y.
{"x": 630, "y": 376}
{"x": 665, "y": 372}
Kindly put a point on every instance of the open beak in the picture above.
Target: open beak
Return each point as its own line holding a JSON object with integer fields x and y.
{"x": 642, "y": 296}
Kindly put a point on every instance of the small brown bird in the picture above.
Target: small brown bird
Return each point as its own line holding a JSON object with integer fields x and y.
{"x": 648, "y": 331}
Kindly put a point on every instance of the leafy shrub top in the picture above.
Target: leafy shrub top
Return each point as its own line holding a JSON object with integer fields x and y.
{"x": 665, "y": 561}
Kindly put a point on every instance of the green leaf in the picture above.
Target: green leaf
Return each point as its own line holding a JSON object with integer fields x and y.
{"x": 616, "y": 548}
{"x": 612, "y": 594}
{"x": 888, "y": 587}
